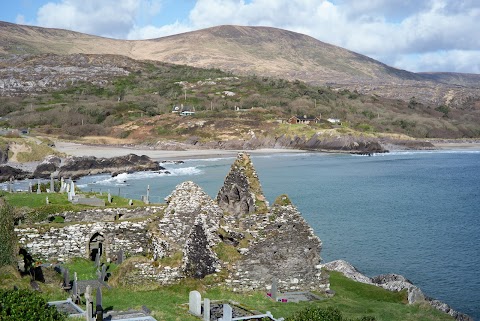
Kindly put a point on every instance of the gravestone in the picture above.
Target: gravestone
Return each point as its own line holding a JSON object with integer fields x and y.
{"x": 99, "y": 274}
{"x": 66, "y": 279}
{"x": 72, "y": 188}
{"x": 52, "y": 185}
{"x": 120, "y": 257}
{"x": 130, "y": 202}
{"x": 195, "y": 303}
{"x": 30, "y": 187}
{"x": 10, "y": 185}
{"x": 88, "y": 304}
{"x": 75, "y": 296}
{"x": 38, "y": 187}
{"x": 97, "y": 260}
{"x": 62, "y": 185}
{"x": 99, "y": 308}
{"x": 227, "y": 312}
{"x": 206, "y": 309}
{"x": 274, "y": 289}
{"x": 147, "y": 199}
{"x": 109, "y": 197}
{"x": 103, "y": 274}
{"x": 46, "y": 200}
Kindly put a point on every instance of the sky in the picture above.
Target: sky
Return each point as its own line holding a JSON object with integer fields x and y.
{"x": 415, "y": 35}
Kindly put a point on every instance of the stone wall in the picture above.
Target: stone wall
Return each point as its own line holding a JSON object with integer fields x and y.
{"x": 49, "y": 242}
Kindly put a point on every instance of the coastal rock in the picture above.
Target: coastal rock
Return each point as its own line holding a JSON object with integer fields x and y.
{"x": 48, "y": 166}
{"x": 347, "y": 270}
{"x": 8, "y": 172}
{"x": 241, "y": 192}
{"x": 75, "y": 167}
{"x": 3, "y": 153}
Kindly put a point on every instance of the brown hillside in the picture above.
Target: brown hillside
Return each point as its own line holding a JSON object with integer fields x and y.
{"x": 256, "y": 50}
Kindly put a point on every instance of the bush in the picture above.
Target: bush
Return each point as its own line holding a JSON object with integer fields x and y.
{"x": 26, "y": 305}
{"x": 320, "y": 314}
{"x": 7, "y": 235}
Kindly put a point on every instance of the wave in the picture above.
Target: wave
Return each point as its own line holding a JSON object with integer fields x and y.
{"x": 124, "y": 178}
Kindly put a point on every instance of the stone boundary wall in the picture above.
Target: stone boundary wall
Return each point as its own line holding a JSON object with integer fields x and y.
{"x": 61, "y": 243}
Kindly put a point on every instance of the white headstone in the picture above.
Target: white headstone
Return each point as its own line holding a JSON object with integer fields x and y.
{"x": 72, "y": 189}
{"x": 206, "y": 309}
{"x": 89, "y": 304}
{"x": 195, "y": 303}
{"x": 227, "y": 312}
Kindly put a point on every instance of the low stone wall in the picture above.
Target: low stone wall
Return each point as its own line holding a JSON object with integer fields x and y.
{"x": 61, "y": 243}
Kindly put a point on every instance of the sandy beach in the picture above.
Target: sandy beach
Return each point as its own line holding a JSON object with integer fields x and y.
{"x": 76, "y": 149}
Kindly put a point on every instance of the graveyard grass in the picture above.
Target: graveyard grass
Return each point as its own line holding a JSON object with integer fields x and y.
{"x": 170, "y": 303}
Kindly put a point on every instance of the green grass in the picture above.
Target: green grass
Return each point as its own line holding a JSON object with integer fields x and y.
{"x": 35, "y": 208}
{"x": 169, "y": 303}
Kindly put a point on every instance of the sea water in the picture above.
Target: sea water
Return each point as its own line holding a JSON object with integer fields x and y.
{"x": 411, "y": 213}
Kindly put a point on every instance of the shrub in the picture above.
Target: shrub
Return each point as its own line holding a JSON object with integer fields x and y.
{"x": 320, "y": 314}
{"x": 26, "y": 305}
{"x": 7, "y": 235}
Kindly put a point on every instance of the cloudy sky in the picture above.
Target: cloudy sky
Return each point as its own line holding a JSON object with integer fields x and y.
{"x": 416, "y": 35}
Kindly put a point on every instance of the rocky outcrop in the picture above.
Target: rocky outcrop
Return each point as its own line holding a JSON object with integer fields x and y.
{"x": 47, "y": 167}
{"x": 9, "y": 172}
{"x": 241, "y": 192}
{"x": 394, "y": 283}
{"x": 3, "y": 153}
{"x": 75, "y": 167}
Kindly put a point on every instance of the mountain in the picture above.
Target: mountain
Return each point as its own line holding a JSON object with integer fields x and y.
{"x": 262, "y": 51}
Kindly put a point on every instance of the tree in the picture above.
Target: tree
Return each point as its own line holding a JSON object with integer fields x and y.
{"x": 7, "y": 234}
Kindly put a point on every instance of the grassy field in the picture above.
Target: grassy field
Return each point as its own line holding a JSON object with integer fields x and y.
{"x": 169, "y": 303}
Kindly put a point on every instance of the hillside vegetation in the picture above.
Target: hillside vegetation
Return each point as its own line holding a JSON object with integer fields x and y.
{"x": 115, "y": 96}
{"x": 262, "y": 51}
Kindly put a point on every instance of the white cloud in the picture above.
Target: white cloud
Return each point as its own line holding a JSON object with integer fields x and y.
{"x": 111, "y": 18}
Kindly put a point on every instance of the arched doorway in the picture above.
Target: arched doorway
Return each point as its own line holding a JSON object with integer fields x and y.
{"x": 96, "y": 245}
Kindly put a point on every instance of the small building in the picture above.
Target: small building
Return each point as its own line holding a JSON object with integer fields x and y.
{"x": 187, "y": 113}
{"x": 335, "y": 121}
{"x": 303, "y": 120}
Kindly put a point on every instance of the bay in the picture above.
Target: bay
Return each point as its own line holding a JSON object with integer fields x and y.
{"x": 411, "y": 213}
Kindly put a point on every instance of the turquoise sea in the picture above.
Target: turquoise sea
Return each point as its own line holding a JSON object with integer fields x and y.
{"x": 411, "y": 213}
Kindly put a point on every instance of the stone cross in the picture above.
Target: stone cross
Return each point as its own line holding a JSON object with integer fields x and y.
{"x": 195, "y": 303}
{"x": 38, "y": 187}
{"x": 120, "y": 257}
{"x": 206, "y": 309}
{"x": 99, "y": 308}
{"x": 227, "y": 312}
{"x": 88, "y": 303}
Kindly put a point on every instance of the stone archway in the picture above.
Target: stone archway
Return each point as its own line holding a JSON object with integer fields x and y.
{"x": 96, "y": 245}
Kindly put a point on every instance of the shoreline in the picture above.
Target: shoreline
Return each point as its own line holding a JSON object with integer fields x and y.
{"x": 108, "y": 151}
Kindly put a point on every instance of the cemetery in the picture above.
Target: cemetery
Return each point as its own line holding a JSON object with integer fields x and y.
{"x": 236, "y": 239}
